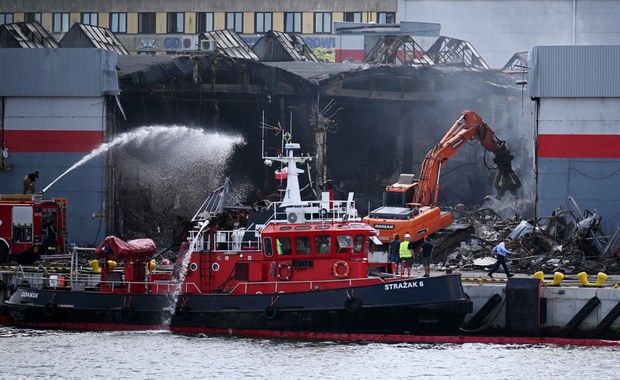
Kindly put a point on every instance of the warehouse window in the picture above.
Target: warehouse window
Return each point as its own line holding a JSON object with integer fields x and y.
{"x": 90, "y": 18}
{"x": 263, "y": 22}
{"x": 386, "y": 17}
{"x": 204, "y": 22}
{"x": 234, "y": 20}
{"x": 32, "y": 16}
{"x": 322, "y": 22}
{"x": 118, "y": 22}
{"x": 292, "y": 22}
{"x": 60, "y": 22}
{"x": 353, "y": 16}
{"x": 176, "y": 22}
{"x": 6, "y": 18}
{"x": 146, "y": 22}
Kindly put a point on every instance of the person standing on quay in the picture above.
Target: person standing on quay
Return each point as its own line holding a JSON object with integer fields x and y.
{"x": 406, "y": 257}
{"x": 394, "y": 253}
{"x": 500, "y": 251}
{"x": 427, "y": 253}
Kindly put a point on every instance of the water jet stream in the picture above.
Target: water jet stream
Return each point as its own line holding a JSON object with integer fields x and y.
{"x": 151, "y": 134}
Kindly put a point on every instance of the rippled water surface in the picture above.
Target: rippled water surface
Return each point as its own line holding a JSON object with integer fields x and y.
{"x": 32, "y": 354}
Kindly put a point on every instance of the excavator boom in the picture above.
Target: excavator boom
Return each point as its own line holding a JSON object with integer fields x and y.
{"x": 469, "y": 126}
{"x": 422, "y": 217}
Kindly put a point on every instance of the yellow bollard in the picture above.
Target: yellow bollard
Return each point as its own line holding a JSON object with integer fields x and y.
{"x": 540, "y": 276}
{"x": 557, "y": 278}
{"x": 95, "y": 265}
{"x": 111, "y": 265}
{"x": 600, "y": 279}
{"x": 583, "y": 277}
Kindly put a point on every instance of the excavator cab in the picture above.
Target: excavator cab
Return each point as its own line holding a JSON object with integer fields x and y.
{"x": 401, "y": 192}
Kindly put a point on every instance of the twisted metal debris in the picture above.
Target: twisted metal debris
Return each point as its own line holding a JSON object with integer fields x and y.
{"x": 569, "y": 241}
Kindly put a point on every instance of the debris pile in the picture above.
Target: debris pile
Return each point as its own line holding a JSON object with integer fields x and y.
{"x": 569, "y": 241}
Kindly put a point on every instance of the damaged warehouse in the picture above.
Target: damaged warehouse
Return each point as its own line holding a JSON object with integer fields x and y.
{"x": 381, "y": 118}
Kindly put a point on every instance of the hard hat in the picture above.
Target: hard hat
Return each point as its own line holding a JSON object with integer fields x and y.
{"x": 407, "y": 236}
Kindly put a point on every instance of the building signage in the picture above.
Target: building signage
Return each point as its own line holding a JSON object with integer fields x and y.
{"x": 171, "y": 43}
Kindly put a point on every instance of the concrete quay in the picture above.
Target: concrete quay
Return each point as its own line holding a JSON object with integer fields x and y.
{"x": 522, "y": 305}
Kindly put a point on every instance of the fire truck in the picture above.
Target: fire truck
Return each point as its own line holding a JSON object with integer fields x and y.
{"x": 31, "y": 227}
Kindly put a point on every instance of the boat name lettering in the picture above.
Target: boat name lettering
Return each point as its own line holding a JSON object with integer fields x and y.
{"x": 30, "y": 295}
{"x": 404, "y": 285}
{"x": 384, "y": 226}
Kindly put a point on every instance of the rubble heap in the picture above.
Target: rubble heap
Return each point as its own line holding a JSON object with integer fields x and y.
{"x": 569, "y": 241}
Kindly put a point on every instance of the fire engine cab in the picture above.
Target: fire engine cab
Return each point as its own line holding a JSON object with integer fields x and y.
{"x": 31, "y": 227}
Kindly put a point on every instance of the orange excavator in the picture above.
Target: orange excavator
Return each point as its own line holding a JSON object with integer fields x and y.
{"x": 421, "y": 216}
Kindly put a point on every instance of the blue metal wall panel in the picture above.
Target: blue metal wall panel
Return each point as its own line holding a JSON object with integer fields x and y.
{"x": 58, "y": 72}
{"x": 83, "y": 187}
{"x": 574, "y": 71}
{"x": 592, "y": 182}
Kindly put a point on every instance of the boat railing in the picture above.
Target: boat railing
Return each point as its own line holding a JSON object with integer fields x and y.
{"x": 278, "y": 286}
{"x": 41, "y": 277}
{"x": 227, "y": 241}
{"x": 326, "y": 211}
{"x": 92, "y": 281}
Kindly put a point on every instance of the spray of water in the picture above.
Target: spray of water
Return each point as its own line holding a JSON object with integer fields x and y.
{"x": 173, "y": 296}
{"x": 160, "y": 138}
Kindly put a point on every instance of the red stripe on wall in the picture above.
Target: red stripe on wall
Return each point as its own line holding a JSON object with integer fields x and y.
{"x": 579, "y": 146}
{"x": 52, "y": 141}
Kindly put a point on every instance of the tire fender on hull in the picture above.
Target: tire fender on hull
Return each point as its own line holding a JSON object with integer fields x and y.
{"x": 182, "y": 312}
{"x": 49, "y": 309}
{"x": 271, "y": 312}
{"x": 352, "y": 304}
{"x": 125, "y": 313}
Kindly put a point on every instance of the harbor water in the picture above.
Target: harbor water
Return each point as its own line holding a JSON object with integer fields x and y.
{"x": 35, "y": 354}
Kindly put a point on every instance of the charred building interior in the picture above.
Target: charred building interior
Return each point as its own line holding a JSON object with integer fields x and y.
{"x": 367, "y": 123}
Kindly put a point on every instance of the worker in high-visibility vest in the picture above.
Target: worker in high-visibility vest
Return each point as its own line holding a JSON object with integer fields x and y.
{"x": 406, "y": 255}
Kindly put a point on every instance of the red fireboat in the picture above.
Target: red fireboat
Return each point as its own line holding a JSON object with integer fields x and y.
{"x": 298, "y": 267}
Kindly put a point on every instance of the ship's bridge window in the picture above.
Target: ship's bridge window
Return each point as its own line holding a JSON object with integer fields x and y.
{"x": 322, "y": 227}
{"x": 268, "y": 247}
{"x": 303, "y": 227}
{"x": 283, "y": 245}
{"x": 302, "y": 245}
{"x": 323, "y": 244}
{"x": 358, "y": 243}
{"x": 345, "y": 242}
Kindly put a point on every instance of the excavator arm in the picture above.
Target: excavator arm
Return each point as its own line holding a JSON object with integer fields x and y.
{"x": 469, "y": 126}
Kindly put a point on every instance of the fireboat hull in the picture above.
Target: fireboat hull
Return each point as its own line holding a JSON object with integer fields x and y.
{"x": 418, "y": 306}
{"x": 87, "y": 310}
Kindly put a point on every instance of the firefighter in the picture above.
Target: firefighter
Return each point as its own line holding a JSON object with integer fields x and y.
{"x": 50, "y": 239}
{"x": 29, "y": 181}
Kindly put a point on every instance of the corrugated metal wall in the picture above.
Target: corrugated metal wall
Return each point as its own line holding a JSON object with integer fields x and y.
{"x": 54, "y": 114}
{"x": 578, "y": 128}
{"x": 58, "y": 72}
{"x": 574, "y": 71}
